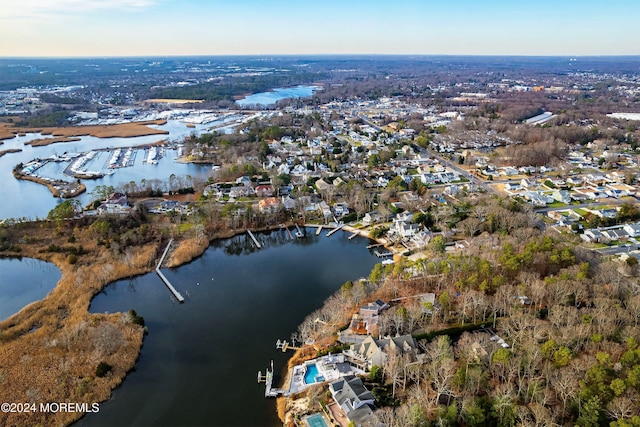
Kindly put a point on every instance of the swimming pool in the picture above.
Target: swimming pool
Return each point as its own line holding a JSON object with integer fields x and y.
{"x": 311, "y": 374}
{"x": 316, "y": 420}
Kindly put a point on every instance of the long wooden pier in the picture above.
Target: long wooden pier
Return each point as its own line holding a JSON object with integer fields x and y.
{"x": 288, "y": 232}
{"x": 258, "y": 245}
{"x": 166, "y": 281}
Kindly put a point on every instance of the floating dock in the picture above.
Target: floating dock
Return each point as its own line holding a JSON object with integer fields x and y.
{"x": 173, "y": 290}
{"x": 254, "y": 239}
{"x": 319, "y": 230}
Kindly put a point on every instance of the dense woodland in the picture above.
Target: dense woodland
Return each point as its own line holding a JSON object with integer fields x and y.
{"x": 573, "y": 359}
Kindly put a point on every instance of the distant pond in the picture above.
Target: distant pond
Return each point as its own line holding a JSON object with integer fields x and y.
{"x": 23, "y": 281}
{"x": 278, "y": 94}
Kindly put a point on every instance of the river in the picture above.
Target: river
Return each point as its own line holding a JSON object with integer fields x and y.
{"x": 23, "y": 281}
{"x": 199, "y": 361}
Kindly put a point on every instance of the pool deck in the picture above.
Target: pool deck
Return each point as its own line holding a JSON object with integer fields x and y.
{"x": 326, "y": 368}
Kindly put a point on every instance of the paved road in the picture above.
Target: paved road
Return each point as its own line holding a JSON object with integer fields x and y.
{"x": 451, "y": 165}
{"x": 583, "y": 205}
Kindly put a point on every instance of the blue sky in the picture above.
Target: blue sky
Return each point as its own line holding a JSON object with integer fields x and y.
{"x": 223, "y": 27}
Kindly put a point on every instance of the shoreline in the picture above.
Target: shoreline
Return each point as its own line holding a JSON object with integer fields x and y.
{"x": 81, "y": 188}
{"x": 14, "y": 328}
{"x": 120, "y": 130}
{"x": 23, "y": 332}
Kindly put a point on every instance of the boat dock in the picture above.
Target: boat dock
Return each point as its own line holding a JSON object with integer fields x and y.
{"x": 269, "y": 390}
{"x": 375, "y": 245}
{"x": 352, "y": 236}
{"x": 319, "y": 230}
{"x": 284, "y": 346}
{"x": 299, "y": 233}
{"x": 288, "y": 232}
{"x": 254, "y": 239}
{"x": 330, "y": 232}
{"x": 173, "y": 290}
{"x": 382, "y": 254}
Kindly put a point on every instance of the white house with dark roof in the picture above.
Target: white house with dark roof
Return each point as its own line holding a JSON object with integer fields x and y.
{"x": 633, "y": 230}
{"x": 116, "y": 203}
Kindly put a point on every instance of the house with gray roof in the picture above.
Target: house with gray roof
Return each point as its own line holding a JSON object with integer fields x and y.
{"x": 354, "y": 399}
{"x": 375, "y": 352}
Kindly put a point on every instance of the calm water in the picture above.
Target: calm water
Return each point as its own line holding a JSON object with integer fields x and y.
{"x": 199, "y": 361}
{"x": 23, "y": 281}
{"x": 269, "y": 98}
{"x": 31, "y": 200}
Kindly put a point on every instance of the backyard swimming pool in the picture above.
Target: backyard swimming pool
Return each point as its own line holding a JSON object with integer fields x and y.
{"x": 311, "y": 375}
{"x": 316, "y": 420}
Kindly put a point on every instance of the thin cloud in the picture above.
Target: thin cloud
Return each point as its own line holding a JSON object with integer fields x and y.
{"x": 37, "y": 9}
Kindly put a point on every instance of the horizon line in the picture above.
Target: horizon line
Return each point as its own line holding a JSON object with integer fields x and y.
{"x": 265, "y": 55}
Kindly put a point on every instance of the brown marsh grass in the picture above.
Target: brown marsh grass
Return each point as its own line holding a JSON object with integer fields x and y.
{"x": 124, "y": 130}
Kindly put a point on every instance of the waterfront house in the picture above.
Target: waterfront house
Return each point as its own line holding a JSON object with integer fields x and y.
{"x": 370, "y": 218}
{"x": 366, "y": 321}
{"x": 403, "y": 229}
{"x": 269, "y": 205}
{"x": 116, "y": 203}
{"x": 340, "y": 209}
{"x": 375, "y": 352}
{"x": 353, "y": 398}
{"x": 289, "y": 203}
